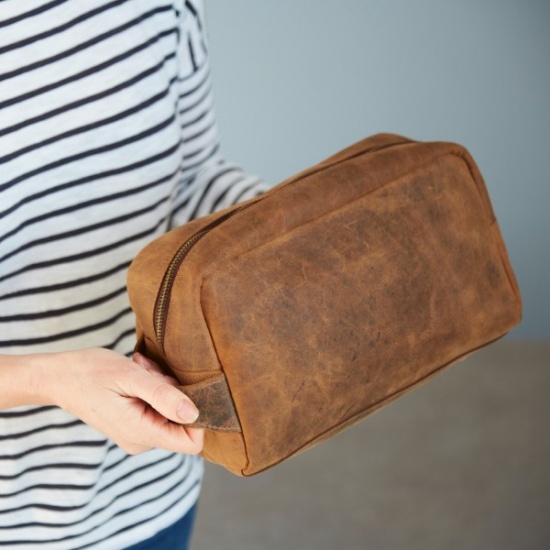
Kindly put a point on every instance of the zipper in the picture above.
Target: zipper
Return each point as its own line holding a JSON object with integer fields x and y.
{"x": 163, "y": 296}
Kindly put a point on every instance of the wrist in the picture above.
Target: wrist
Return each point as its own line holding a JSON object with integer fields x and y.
{"x": 27, "y": 380}
{"x": 42, "y": 377}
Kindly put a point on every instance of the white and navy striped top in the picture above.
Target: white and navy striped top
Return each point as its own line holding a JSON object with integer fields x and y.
{"x": 107, "y": 139}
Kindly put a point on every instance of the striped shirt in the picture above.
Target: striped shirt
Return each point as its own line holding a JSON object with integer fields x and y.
{"x": 107, "y": 140}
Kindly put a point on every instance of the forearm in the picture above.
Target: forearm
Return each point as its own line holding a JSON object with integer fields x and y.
{"x": 26, "y": 380}
{"x": 132, "y": 402}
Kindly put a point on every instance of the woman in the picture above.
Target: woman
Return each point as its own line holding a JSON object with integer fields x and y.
{"x": 107, "y": 139}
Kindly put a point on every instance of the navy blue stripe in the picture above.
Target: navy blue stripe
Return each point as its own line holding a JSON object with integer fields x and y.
{"x": 67, "y": 284}
{"x": 93, "y": 177}
{"x": 62, "y": 311}
{"x": 22, "y": 414}
{"x": 69, "y": 466}
{"x": 239, "y": 197}
{"x": 92, "y": 126}
{"x": 86, "y": 254}
{"x": 87, "y": 204}
{"x": 87, "y": 72}
{"x": 89, "y": 99}
{"x": 28, "y": 433}
{"x": 197, "y": 102}
{"x": 221, "y": 197}
{"x": 31, "y": 13}
{"x": 85, "y": 229}
{"x": 91, "y": 152}
{"x": 56, "y": 30}
{"x": 68, "y": 334}
{"x": 142, "y": 522}
{"x": 204, "y": 191}
{"x": 180, "y": 479}
{"x": 141, "y": 469}
{"x": 122, "y": 336}
{"x": 193, "y": 10}
{"x": 84, "y": 45}
{"x": 67, "y": 445}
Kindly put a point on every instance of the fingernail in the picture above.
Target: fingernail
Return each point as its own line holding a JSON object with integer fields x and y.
{"x": 139, "y": 359}
{"x": 187, "y": 412}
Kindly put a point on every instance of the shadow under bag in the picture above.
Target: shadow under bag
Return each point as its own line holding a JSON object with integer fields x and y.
{"x": 293, "y": 315}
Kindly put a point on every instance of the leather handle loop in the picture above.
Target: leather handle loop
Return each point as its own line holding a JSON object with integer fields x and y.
{"x": 213, "y": 399}
{"x": 211, "y": 396}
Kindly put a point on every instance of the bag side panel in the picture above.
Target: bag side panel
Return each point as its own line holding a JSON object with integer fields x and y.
{"x": 320, "y": 324}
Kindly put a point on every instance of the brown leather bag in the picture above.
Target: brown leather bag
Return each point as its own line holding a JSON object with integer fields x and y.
{"x": 291, "y": 316}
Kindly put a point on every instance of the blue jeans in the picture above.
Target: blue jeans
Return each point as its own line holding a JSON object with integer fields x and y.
{"x": 175, "y": 537}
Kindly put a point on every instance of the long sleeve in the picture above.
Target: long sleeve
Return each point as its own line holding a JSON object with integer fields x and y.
{"x": 107, "y": 139}
{"x": 209, "y": 181}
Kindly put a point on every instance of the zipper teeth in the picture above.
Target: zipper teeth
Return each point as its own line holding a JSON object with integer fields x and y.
{"x": 168, "y": 280}
{"x": 161, "y": 309}
{"x": 163, "y": 297}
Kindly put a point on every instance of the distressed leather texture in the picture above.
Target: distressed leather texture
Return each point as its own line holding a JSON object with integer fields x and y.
{"x": 213, "y": 399}
{"x": 327, "y": 297}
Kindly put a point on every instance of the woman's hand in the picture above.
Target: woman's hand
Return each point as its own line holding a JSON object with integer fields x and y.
{"x": 133, "y": 403}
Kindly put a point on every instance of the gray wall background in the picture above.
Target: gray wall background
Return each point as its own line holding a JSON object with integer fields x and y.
{"x": 296, "y": 80}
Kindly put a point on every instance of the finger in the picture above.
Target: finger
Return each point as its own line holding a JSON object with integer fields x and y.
{"x": 157, "y": 432}
{"x": 152, "y": 368}
{"x": 181, "y": 439}
{"x": 163, "y": 397}
{"x": 196, "y": 435}
{"x": 146, "y": 363}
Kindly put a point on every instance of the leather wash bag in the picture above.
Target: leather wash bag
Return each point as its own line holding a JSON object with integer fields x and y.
{"x": 293, "y": 315}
